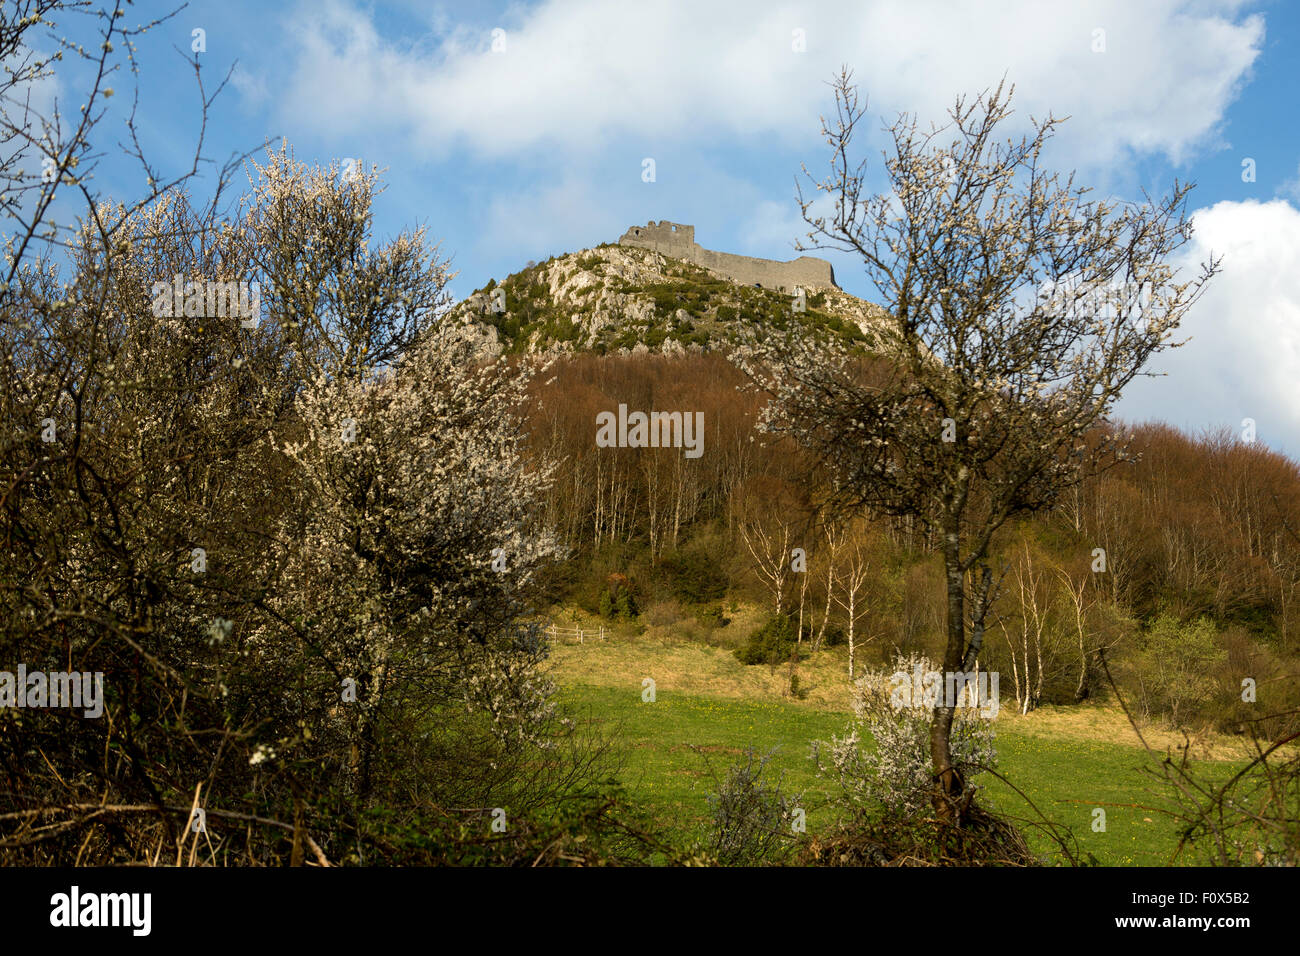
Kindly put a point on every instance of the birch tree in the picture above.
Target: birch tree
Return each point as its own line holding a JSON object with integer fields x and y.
{"x": 1081, "y": 601}
{"x": 852, "y": 596}
{"x": 1025, "y": 642}
{"x": 834, "y": 536}
{"x": 769, "y": 534}
{"x": 1021, "y": 308}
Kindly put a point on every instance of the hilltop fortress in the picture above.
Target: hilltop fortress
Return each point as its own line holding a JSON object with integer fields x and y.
{"x": 678, "y": 241}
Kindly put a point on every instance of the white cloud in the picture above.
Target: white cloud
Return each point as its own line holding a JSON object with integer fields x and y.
{"x": 251, "y": 86}
{"x": 576, "y": 73}
{"x": 547, "y": 220}
{"x": 771, "y": 229}
{"x": 1291, "y": 187}
{"x": 1243, "y": 360}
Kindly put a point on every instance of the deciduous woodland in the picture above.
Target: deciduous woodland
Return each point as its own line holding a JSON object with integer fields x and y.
{"x": 1195, "y": 533}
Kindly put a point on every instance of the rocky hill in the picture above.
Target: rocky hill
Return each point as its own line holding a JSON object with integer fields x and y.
{"x": 618, "y": 298}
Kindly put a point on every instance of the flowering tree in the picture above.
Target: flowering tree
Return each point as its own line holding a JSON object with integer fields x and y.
{"x": 894, "y": 773}
{"x": 1022, "y": 308}
{"x": 415, "y": 505}
{"x": 298, "y": 543}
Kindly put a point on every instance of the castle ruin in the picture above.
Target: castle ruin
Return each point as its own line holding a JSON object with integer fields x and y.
{"x": 678, "y": 241}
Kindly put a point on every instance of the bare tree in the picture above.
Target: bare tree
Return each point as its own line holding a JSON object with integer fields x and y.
{"x": 834, "y": 541}
{"x": 1021, "y": 307}
{"x": 803, "y": 597}
{"x": 769, "y": 538}
{"x": 1033, "y": 604}
{"x": 1081, "y": 602}
{"x": 853, "y": 595}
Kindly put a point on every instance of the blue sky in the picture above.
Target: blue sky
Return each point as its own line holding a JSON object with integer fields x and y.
{"x": 536, "y": 148}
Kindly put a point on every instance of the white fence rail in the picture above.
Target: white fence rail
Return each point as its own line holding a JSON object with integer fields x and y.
{"x": 575, "y": 635}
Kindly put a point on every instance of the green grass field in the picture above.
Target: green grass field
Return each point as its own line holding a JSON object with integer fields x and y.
{"x": 709, "y": 709}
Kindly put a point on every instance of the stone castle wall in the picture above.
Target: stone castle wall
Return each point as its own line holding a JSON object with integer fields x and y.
{"x": 678, "y": 241}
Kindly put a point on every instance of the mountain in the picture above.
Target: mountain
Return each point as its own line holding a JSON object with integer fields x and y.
{"x": 615, "y": 298}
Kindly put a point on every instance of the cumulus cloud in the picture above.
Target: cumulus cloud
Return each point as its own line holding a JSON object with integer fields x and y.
{"x": 574, "y": 74}
{"x": 772, "y": 227}
{"x": 548, "y": 220}
{"x": 1243, "y": 357}
{"x": 250, "y": 86}
{"x": 1291, "y": 187}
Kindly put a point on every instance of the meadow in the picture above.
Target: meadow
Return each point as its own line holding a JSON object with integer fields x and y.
{"x": 709, "y": 710}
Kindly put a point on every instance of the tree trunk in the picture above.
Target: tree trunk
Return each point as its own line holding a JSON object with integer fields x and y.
{"x": 1015, "y": 666}
{"x": 853, "y": 600}
{"x": 803, "y": 590}
{"x": 948, "y": 782}
{"x": 830, "y": 588}
{"x": 1027, "y": 704}
{"x": 1082, "y": 691}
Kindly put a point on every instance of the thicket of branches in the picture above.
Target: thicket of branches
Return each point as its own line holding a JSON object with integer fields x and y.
{"x": 279, "y": 544}
{"x": 296, "y": 540}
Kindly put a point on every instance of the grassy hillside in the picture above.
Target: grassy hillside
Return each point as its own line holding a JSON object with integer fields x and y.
{"x": 709, "y": 709}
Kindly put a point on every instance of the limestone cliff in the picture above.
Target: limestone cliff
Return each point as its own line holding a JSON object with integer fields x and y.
{"x": 626, "y": 298}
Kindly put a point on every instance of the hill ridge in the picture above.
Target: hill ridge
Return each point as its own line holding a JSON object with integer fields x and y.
{"x": 618, "y": 298}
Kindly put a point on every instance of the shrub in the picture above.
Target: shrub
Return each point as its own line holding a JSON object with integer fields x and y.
{"x": 774, "y": 642}
{"x": 626, "y": 604}
{"x": 412, "y": 688}
{"x": 664, "y": 613}
{"x": 712, "y": 616}
{"x": 1174, "y": 672}
{"x": 835, "y": 635}
{"x": 694, "y": 576}
{"x": 895, "y": 775}
{"x": 751, "y": 821}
